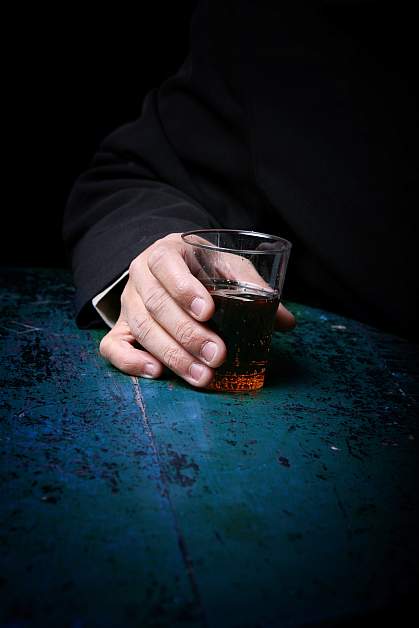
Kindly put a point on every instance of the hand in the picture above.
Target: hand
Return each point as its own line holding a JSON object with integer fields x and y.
{"x": 164, "y": 309}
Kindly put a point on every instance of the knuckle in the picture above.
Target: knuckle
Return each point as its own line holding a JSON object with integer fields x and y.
{"x": 132, "y": 270}
{"x": 141, "y": 327}
{"x": 172, "y": 358}
{"x": 182, "y": 286}
{"x": 129, "y": 366}
{"x": 185, "y": 333}
{"x": 156, "y": 256}
{"x": 103, "y": 346}
{"x": 124, "y": 300}
{"x": 156, "y": 301}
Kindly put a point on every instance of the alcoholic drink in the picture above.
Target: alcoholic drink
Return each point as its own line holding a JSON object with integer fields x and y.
{"x": 244, "y": 318}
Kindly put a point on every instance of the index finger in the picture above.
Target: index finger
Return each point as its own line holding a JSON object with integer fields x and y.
{"x": 167, "y": 264}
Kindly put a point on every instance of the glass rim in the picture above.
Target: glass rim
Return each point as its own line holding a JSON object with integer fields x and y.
{"x": 284, "y": 245}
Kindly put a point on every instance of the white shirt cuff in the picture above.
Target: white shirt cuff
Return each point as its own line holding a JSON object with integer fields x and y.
{"x": 108, "y": 302}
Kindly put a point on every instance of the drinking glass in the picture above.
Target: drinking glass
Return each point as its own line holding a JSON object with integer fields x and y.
{"x": 244, "y": 272}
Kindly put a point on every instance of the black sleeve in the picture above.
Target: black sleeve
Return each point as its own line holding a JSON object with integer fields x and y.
{"x": 289, "y": 118}
{"x": 122, "y": 204}
{"x": 134, "y": 192}
{"x": 183, "y": 164}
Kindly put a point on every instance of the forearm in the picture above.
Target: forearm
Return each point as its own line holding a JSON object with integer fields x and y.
{"x": 134, "y": 192}
{"x": 183, "y": 164}
{"x": 106, "y": 249}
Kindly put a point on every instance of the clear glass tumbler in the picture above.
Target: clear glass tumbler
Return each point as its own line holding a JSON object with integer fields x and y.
{"x": 244, "y": 272}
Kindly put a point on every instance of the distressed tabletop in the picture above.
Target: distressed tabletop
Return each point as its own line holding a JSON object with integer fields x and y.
{"x": 130, "y": 502}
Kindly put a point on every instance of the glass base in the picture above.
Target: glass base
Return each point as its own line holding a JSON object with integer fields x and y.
{"x": 237, "y": 383}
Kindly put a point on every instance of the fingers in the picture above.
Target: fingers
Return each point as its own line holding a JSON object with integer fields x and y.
{"x": 156, "y": 302}
{"x": 284, "y": 319}
{"x": 117, "y": 347}
{"x": 157, "y": 306}
{"x": 185, "y": 347}
{"x": 161, "y": 312}
{"x": 164, "y": 308}
{"x": 167, "y": 265}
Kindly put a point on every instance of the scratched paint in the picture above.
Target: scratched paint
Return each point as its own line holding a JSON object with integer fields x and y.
{"x": 149, "y": 503}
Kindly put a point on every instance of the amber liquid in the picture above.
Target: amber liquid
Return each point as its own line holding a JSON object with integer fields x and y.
{"x": 244, "y": 318}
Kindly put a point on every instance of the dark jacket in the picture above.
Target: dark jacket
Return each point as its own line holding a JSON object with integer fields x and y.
{"x": 299, "y": 122}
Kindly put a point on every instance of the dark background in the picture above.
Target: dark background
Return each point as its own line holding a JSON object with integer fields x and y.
{"x": 72, "y": 78}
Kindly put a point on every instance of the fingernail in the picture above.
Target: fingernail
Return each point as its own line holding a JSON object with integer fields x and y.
{"x": 150, "y": 370}
{"x": 197, "y": 306}
{"x": 208, "y": 351}
{"x": 196, "y": 371}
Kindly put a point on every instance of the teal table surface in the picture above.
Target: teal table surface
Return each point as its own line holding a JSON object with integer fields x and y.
{"x": 128, "y": 502}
